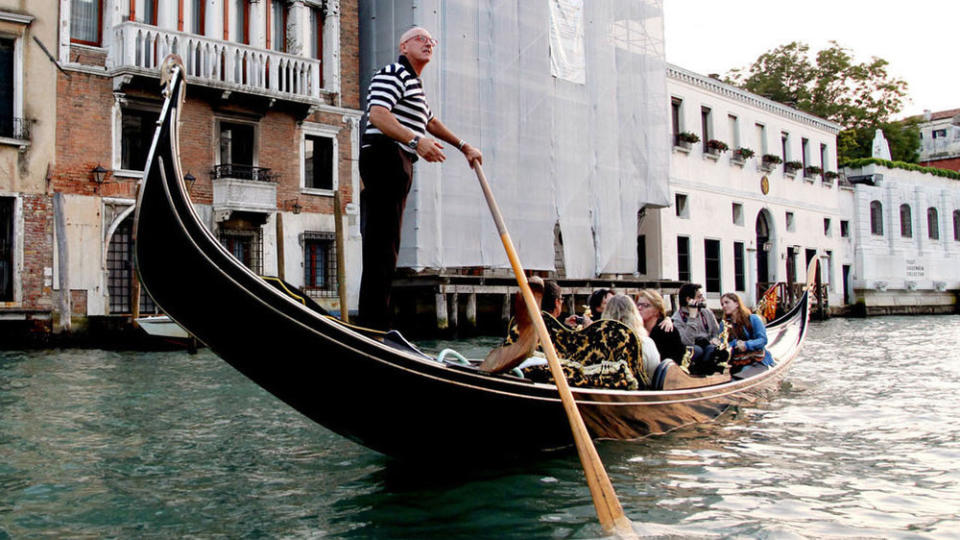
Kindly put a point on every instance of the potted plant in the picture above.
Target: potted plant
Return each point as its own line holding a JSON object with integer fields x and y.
{"x": 716, "y": 147}
{"x": 830, "y": 176}
{"x": 743, "y": 153}
{"x": 685, "y": 139}
{"x": 769, "y": 161}
{"x": 812, "y": 170}
{"x": 792, "y": 167}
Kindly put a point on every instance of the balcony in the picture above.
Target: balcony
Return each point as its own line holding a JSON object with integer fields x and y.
{"x": 243, "y": 188}
{"x": 140, "y": 49}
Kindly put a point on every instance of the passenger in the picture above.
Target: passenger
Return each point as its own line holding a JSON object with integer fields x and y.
{"x": 596, "y": 303}
{"x": 698, "y": 329}
{"x": 748, "y": 338}
{"x": 552, "y": 301}
{"x": 653, "y": 311}
{"x": 621, "y": 308}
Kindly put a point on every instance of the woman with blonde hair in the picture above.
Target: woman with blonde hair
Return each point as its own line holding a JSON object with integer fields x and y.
{"x": 621, "y": 308}
{"x": 653, "y": 311}
{"x": 748, "y": 338}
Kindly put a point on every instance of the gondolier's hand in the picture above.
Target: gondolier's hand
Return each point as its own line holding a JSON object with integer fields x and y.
{"x": 431, "y": 150}
{"x": 472, "y": 154}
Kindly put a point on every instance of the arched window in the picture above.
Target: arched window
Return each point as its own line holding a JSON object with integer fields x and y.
{"x": 956, "y": 225}
{"x": 933, "y": 224}
{"x": 876, "y": 218}
{"x": 906, "y": 226}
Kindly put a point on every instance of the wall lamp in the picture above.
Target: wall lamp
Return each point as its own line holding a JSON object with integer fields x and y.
{"x": 294, "y": 205}
{"x": 189, "y": 179}
{"x": 99, "y": 175}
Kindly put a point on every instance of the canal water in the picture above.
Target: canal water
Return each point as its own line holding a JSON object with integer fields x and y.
{"x": 862, "y": 440}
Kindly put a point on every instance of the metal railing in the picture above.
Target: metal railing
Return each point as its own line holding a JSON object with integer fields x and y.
{"x": 218, "y": 63}
{"x": 243, "y": 172}
{"x": 15, "y": 128}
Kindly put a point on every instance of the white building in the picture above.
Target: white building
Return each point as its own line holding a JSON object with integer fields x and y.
{"x": 907, "y": 237}
{"x": 739, "y": 220}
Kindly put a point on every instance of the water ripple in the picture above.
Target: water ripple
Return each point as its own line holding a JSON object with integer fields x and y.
{"x": 861, "y": 441}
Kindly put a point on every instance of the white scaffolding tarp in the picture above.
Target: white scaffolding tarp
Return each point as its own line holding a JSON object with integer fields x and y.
{"x": 586, "y": 156}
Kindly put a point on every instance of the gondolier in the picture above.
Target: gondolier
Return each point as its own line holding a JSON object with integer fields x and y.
{"x": 398, "y": 120}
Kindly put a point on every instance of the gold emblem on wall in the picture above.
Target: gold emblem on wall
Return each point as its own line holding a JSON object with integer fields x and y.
{"x": 765, "y": 184}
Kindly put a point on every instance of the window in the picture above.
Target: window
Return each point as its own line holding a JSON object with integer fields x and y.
{"x": 676, "y": 105}
{"x": 826, "y": 227}
{"x": 804, "y": 150}
{"x": 244, "y": 242}
{"x": 7, "y": 89}
{"x": 737, "y": 214}
{"x": 906, "y": 221}
{"x": 120, "y": 273}
{"x": 683, "y": 258}
{"x": 7, "y": 207}
{"x": 150, "y": 12}
{"x": 734, "y": 123}
{"x": 85, "y": 21}
{"x": 278, "y": 26}
{"x": 681, "y": 206}
{"x": 199, "y": 17}
{"x": 641, "y": 254}
{"x": 785, "y": 146}
{"x": 933, "y": 224}
{"x": 823, "y": 157}
{"x": 711, "y": 259}
{"x": 761, "y": 138}
{"x": 136, "y": 133}
{"x": 791, "y": 226}
{"x": 739, "y": 279}
{"x": 316, "y": 31}
{"x": 705, "y": 126}
{"x": 318, "y": 162}
{"x": 240, "y": 31}
{"x": 939, "y": 133}
{"x": 956, "y": 225}
{"x": 844, "y": 228}
{"x": 876, "y": 218}
{"x": 319, "y": 264}
{"x": 237, "y": 143}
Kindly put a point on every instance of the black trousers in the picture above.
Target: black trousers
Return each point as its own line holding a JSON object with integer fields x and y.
{"x": 387, "y": 174}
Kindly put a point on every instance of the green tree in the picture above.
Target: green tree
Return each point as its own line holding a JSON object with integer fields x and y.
{"x": 861, "y": 97}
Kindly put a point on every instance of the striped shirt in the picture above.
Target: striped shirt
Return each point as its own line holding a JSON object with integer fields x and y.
{"x": 397, "y": 88}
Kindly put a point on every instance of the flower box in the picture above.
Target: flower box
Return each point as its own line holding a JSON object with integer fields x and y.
{"x": 812, "y": 171}
{"x": 717, "y": 147}
{"x": 769, "y": 161}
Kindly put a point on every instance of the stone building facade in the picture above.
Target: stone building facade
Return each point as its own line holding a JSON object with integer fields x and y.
{"x": 27, "y": 123}
{"x": 754, "y": 199}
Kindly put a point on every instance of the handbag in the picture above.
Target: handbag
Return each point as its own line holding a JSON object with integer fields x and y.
{"x": 745, "y": 358}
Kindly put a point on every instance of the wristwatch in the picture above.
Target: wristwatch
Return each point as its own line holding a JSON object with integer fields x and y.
{"x": 414, "y": 142}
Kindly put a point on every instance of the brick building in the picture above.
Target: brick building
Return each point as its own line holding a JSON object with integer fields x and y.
{"x": 268, "y": 137}
{"x": 27, "y": 123}
{"x": 940, "y": 139}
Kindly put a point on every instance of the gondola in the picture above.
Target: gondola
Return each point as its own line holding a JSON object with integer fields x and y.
{"x": 373, "y": 388}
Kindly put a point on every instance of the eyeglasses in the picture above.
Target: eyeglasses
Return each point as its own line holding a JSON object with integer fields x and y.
{"x": 425, "y": 40}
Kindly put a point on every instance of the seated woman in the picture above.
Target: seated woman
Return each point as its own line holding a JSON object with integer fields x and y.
{"x": 653, "y": 311}
{"x": 621, "y": 308}
{"x": 747, "y": 338}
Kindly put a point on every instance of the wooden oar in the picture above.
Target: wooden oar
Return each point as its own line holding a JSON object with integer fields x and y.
{"x": 609, "y": 511}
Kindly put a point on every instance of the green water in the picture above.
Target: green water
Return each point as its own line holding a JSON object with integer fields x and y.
{"x": 863, "y": 440}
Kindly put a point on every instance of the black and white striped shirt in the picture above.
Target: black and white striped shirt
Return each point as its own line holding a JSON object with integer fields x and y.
{"x": 398, "y": 88}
